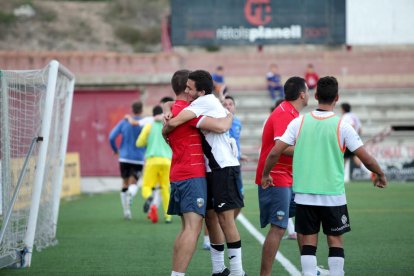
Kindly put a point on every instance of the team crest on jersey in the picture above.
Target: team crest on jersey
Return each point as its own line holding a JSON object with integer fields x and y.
{"x": 280, "y": 215}
{"x": 344, "y": 219}
{"x": 200, "y": 202}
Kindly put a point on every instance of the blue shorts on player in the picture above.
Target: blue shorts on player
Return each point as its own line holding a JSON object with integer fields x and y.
{"x": 274, "y": 204}
{"x": 187, "y": 196}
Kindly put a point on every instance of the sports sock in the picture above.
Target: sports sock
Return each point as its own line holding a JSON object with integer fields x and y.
{"x": 133, "y": 189}
{"x": 308, "y": 260}
{"x": 235, "y": 257}
{"x": 206, "y": 239}
{"x": 217, "y": 257}
{"x": 174, "y": 273}
{"x": 157, "y": 198}
{"x": 291, "y": 227}
{"x": 123, "y": 198}
{"x": 336, "y": 261}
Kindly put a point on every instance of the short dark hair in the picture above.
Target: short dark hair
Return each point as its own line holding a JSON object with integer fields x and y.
{"x": 293, "y": 86}
{"x": 156, "y": 110}
{"x": 136, "y": 107}
{"x": 327, "y": 89}
{"x": 179, "y": 81}
{"x": 203, "y": 81}
{"x": 228, "y": 97}
{"x": 346, "y": 107}
{"x": 166, "y": 99}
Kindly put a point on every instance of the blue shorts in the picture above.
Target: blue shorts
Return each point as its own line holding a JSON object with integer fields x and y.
{"x": 274, "y": 204}
{"x": 187, "y": 196}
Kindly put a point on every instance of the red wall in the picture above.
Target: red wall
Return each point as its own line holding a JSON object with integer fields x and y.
{"x": 94, "y": 114}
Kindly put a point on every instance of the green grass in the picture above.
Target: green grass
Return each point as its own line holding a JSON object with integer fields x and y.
{"x": 95, "y": 240}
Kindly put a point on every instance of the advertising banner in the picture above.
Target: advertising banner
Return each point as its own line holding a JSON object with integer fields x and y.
{"x": 397, "y": 161}
{"x": 257, "y": 22}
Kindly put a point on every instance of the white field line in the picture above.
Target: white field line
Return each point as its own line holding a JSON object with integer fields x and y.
{"x": 279, "y": 257}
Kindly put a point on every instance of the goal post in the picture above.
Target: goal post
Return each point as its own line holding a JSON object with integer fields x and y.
{"x": 35, "y": 115}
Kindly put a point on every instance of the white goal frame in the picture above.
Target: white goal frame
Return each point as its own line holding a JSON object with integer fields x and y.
{"x": 20, "y": 253}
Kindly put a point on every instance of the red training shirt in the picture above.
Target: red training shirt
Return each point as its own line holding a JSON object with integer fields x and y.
{"x": 274, "y": 128}
{"x": 187, "y": 153}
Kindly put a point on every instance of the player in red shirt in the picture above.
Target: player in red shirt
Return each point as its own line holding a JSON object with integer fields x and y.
{"x": 274, "y": 201}
{"x": 187, "y": 175}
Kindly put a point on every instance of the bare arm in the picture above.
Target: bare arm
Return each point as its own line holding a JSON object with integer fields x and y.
{"x": 131, "y": 120}
{"x": 218, "y": 125}
{"x": 289, "y": 151}
{"x": 166, "y": 110}
{"x": 271, "y": 161}
{"x": 380, "y": 180}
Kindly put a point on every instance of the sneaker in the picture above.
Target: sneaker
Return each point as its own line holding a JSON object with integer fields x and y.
{"x": 168, "y": 220}
{"x": 321, "y": 271}
{"x": 206, "y": 246}
{"x": 147, "y": 204}
{"x": 225, "y": 272}
{"x": 127, "y": 214}
{"x": 153, "y": 214}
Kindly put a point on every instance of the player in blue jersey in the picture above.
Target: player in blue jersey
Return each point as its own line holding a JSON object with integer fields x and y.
{"x": 131, "y": 158}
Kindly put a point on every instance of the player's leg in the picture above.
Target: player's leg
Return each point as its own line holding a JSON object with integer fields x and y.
{"x": 188, "y": 198}
{"x": 150, "y": 181}
{"x": 164, "y": 180}
{"x": 335, "y": 223}
{"x": 215, "y": 233}
{"x": 135, "y": 173}
{"x": 186, "y": 242}
{"x": 291, "y": 226}
{"x": 123, "y": 168}
{"x": 227, "y": 199}
{"x": 336, "y": 258}
{"x": 134, "y": 170}
{"x": 307, "y": 223}
{"x": 274, "y": 205}
{"x": 217, "y": 240}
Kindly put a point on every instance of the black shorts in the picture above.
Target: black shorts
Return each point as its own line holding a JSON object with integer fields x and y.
{"x": 223, "y": 193}
{"x": 334, "y": 219}
{"x": 128, "y": 170}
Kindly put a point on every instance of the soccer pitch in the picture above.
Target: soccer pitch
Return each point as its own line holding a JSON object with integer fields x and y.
{"x": 94, "y": 239}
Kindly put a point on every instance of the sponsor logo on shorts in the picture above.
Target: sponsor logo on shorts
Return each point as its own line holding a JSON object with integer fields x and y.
{"x": 280, "y": 215}
{"x": 221, "y": 205}
{"x": 338, "y": 229}
{"x": 200, "y": 202}
{"x": 344, "y": 219}
{"x": 345, "y": 223}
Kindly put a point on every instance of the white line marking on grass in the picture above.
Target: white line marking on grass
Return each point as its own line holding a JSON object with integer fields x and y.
{"x": 279, "y": 257}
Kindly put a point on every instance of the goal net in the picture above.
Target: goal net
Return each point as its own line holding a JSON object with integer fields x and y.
{"x": 35, "y": 110}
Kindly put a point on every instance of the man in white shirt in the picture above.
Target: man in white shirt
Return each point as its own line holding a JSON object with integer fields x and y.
{"x": 222, "y": 166}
